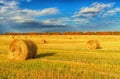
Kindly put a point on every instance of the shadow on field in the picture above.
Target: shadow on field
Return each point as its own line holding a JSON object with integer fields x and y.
{"x": 45, "y": 55}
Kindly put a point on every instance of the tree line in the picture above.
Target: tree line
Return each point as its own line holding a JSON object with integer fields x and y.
{"x": 63, "y": 33}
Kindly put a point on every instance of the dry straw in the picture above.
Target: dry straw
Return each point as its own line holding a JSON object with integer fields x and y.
{"x": 22, "y": 49}
{"x": 93, "y": 44}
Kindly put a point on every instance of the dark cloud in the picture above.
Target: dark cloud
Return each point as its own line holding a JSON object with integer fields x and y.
{"x": 3, "y": 29}
{"x": 38, "y": 27}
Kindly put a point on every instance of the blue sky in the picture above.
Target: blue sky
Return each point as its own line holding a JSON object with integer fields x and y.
{"x": 59, "y": 15}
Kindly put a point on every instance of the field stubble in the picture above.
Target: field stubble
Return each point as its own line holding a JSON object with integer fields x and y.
{"x": 64, "y": 57}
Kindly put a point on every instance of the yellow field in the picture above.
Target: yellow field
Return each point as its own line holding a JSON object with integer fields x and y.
{"x": 64, "y": 57}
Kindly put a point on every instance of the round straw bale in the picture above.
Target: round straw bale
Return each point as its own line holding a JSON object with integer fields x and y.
{"x": 13, "y": 37}
{"x": 43, "y": 41}
{"x": 22, "y": 49}
{"x": 93, "y": 44}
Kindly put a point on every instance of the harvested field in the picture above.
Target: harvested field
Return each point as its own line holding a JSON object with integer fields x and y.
{"x": 64, "y": 58}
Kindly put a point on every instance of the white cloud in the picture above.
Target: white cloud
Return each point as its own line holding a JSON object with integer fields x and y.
{"x": 9, "y": 10}
{"x": 47, "y": 11}
{"x": 57, "y": 21}
{"x": 81, "y": 21}
{"x": 21, "y": 19}
{"x": 112, "y": 12}
{"x": 65, "y": 21}
{"x": 93, "y": 10}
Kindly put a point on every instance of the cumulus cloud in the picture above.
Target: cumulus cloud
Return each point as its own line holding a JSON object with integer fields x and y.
{"x": 9, "y": 10}
{"x": 37, "y": 26}
{"x": 112, "y": 12}
{"x": 47, "y": 11}
{"x": 16, "y": 19}
{"x": 57, "y": 21}
{"x": 93, "y": 10}
{"x": 81, "y": 21}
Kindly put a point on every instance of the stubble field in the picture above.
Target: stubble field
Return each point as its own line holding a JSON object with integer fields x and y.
{"x": 63, "y": 57}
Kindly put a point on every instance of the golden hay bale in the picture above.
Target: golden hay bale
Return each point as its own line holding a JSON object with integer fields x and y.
{"x": 22, "y": 49}
{"x": 13, "y": 37}
{"x": 93, "y": 44}
{"x": 25, "y": 37}
{"x": 43, "y": 41}
{"x": 70, "y": 38}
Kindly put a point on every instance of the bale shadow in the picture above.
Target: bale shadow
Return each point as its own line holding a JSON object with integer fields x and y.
{"x": 45, "y": 55}
{"x": 100, "y": 48}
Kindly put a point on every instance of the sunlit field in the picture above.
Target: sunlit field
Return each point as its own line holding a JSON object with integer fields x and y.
{"x": 63, "y": 57}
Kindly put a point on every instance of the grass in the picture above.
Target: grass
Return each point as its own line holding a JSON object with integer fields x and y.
{"x": 64, "y": 58}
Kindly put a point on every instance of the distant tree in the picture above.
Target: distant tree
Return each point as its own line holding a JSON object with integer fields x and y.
{"x": 116, "y": 33}
{"x": 78, "y": 33}
{"x": 106, "y": 33}
{"x": 65, "y": 33}
{"x": 46, "y": 33}
{"x": 89, "y": 33}
{"x": 56, "y": 33}
{"x": 12, "y": 33}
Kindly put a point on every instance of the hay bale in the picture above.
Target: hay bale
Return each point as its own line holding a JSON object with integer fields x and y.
{"x": 13, "y": 37}
{"x": 43, "y": 41}
{"x": 25, "y": 37}
{"x": 22, "y": 49}
{"x": 70, "y": 38}
{"x": 93, "y": 44}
